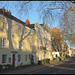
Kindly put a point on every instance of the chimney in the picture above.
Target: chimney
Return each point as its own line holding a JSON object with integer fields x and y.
{"x": 3, "y": 8}
{"x": 8, "y": 11}
{"x": 27, "y": 22}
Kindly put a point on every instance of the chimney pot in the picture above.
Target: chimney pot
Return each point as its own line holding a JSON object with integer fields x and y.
{"x": 3, "y": 8}
{"x": 8, "y": 11}
{"x": 27, "y": 21}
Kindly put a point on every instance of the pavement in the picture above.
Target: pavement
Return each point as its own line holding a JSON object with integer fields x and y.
{"x": 61, "y": 62}
{"x": 30, "y": 69}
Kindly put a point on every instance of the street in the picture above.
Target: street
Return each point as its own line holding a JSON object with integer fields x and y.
{"x": 63, "y": 67}
{"x": 66, "y": 68}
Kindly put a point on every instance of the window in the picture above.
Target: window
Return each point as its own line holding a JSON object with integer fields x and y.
{"x": 19, "y": 58}
{"x": 29, "y": 56}
{"x": 18, "y": 44}
{"x": 30, "y": 46}
{"x": 26, "y": 59}
{"x": 20, "y": 29}
{"x": 4, "y": 25}
{"x": 4, "y": 59}
{"x": 44, "y": 55}
{"x": 4, "y": 42}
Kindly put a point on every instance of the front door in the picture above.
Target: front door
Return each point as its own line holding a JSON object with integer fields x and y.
{"x": 13, "y": 60}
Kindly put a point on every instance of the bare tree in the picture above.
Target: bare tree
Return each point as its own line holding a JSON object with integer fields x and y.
{"x": 49, "y": 11}
{"x": 23, "y": 36}
{"x": 13, "y": 28}
{"x": 68, "y": 24}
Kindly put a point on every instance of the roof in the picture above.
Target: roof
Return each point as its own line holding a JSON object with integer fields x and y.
{"x": 32, "y": 25}
{"x": 42, "y": 24}
{"x": 11, "y": 17}
{"x": 16, "y": 19}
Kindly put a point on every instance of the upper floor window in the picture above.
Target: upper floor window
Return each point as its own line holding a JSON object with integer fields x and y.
{"x": 19, "y": 45}
{"x": 4, "y": 25}
{"x": 31, "y": 47}
{"x": 20, "y": 29}
{"x": 4, "y": 43}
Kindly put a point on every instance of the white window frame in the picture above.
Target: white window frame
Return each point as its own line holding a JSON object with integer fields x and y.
{"x": 5, "y": 24}
{"x": 6, "y": 43}
{"x": 26, "y": 58}
{"x": 6, "y": 59}
{"x": 19, "y": 58}
{"x": 18, "y": 45}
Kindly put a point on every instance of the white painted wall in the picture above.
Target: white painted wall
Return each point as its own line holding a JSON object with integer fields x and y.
{"x": 55, "y": 53}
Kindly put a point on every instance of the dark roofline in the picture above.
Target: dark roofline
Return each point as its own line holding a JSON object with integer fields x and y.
{"x": 31, "y": 25}
{"x": 45, "y": 28}
{"x": 11, "y": 17}
{"x": 42, "y": 24}
{"x": 16, "y": 19}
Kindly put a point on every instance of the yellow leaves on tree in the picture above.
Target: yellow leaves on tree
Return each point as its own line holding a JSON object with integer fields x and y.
{"x": 55, "y": 33}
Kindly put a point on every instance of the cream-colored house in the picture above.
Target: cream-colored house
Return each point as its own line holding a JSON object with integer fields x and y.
{"x": 19, "y": 42}
{"x": 44, "y": 41}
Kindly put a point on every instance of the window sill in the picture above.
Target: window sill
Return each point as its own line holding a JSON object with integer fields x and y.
{"x": 4, "y": 63}
{"x": 4, "y": 47}
{"x": 26, "y": 61}
{"x": 19, "y": 62}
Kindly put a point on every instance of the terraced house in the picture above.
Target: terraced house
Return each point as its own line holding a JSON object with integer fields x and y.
{"x": 44, "y": 41}
{"x": 21, "y": 43}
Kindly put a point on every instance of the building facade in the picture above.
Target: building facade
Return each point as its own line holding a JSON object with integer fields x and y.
{"x": 17, "y": 41}
{"x": 21, "y": 44}
{"x": 44, "y": 41}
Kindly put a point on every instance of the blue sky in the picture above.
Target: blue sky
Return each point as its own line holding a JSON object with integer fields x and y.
{"x": 33, "y": 14}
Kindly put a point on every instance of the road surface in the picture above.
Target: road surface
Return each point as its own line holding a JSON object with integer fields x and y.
{"x": 66, "y": 68}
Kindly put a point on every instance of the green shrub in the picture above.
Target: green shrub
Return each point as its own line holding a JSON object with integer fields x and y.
{"x": 54, "y": 58}
{"x": 45, "y": 61}
{"x": 57, "y": 59}
{"x": 48, "y": 61}
{"x": 8, "y": 66}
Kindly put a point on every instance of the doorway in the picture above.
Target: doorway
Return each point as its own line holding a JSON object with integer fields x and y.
{"x": 13, "y": 60}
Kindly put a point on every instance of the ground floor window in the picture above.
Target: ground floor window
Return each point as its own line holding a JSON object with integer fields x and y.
{"x": 19, "y": 58}
{"x": 26, "y": 58}
{"x": 29, "y": 56}
{"x": 4, "y": 59}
